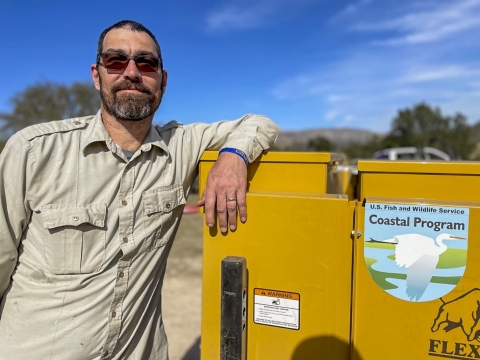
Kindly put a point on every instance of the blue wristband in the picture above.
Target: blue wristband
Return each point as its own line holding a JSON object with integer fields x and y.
{"x": 235, "y": 151}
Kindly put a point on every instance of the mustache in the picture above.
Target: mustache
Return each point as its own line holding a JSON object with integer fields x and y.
{"x": 128, "y": 85}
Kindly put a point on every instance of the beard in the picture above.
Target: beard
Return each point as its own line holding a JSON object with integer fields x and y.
{"x": 129, "y": 106}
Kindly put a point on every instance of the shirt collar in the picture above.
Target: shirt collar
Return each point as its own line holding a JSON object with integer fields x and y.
{"x": 153, "y": 138}
{"x": 96, "y": 132}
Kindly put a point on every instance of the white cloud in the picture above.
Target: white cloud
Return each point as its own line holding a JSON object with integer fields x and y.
{"x": 365, "y": 86}
{"x": 366, "y": 89}
{"x": 351, "y": 9}
{"x": 430, "y": 25}
{"x": 236, "y": 17}
{"x": 335, "y": 98}
{"x": 242, "y": 15}
{"x": 443, "y": 73}
{"x": 362, "y": 85}
{"x": 475, "y": 85}
{"x": 331, "y": 115}
{"x": 299, "y": 86}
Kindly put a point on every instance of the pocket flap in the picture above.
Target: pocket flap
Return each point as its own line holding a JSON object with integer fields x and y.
{"x": 56, "y": 216}
{"x": 163, "y": 199}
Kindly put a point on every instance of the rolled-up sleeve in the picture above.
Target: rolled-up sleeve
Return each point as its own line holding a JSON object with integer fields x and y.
{"x": 252, "y": 134}
{"x": 15, "y": 160}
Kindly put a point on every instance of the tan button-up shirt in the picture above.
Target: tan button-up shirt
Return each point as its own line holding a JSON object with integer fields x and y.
{"x": 85, "y": 233}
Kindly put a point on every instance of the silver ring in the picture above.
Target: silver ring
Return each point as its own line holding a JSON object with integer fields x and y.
{"x": 231, "y": 199}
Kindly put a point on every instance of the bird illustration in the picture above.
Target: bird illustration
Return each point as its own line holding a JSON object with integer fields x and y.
{"x": 419, "y": 255}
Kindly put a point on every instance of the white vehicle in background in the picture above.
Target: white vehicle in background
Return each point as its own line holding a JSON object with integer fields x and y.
{"x": 411, "y": 153}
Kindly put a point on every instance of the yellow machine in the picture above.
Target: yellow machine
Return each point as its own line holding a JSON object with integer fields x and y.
{"x": 319, "y": 274}
{"x": 431, "y": 327}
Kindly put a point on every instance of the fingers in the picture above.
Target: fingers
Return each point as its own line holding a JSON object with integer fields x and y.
{"x": 201, "y": 202}
{"x": 222, "y": 213}
{"x": 224, "y": 191}
{"x": 231, "y": 212}
{"x": 242, "y": 204}
{"x": 209, "y": 200}
{"x": 226, "y": 208}
{"x": 215, "y": 200}
{"x": 227, "y": 213}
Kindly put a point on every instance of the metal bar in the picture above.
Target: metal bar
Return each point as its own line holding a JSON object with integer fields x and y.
{"x": 233, "y": 309}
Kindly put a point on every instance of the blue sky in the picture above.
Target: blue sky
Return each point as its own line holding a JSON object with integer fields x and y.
{"x": 304, "y": 63}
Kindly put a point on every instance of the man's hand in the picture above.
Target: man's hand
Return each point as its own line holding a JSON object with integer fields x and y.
{"x": 225, "y": 191}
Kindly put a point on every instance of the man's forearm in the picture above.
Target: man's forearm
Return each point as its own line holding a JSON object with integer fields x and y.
{"x": 254, "y": 135}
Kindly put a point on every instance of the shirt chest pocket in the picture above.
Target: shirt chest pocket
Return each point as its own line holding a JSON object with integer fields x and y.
{"x": 75, "y": 238}
{"x": 162, "y": 211}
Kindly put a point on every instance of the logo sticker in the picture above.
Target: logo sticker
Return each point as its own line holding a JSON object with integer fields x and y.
{"x": 416, "y": 252}
{"x": 459, "y": 315}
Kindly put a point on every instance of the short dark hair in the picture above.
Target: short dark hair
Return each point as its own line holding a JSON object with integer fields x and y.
{"x": 131, "y": 25}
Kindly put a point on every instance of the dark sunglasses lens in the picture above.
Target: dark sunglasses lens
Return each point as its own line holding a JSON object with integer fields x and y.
{"x": 146, "y": 63}
{"x": 115, "y": 61}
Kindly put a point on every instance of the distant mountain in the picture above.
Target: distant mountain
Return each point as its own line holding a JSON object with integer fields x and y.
{"x": 341, "y": 138}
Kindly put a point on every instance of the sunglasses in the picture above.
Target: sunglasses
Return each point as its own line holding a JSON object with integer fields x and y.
{"x": 119, "y": 62}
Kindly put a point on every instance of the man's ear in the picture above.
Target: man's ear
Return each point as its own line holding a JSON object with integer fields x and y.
{"x": 95, "y": 76}
{"x": 164, "y": 81}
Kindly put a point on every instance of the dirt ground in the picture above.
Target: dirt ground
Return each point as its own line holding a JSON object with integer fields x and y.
{"x": 182, "y": 290}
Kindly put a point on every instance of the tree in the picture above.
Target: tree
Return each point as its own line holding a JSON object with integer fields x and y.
{"x": 48, "y": 101}
{"x": 364, "y": 151}
{"x": 475, "y": 130}
{"x": 319, "y": 144}
{"x": 423, "y": 126}
{"x": 420, "y": 126}
{"x": 462, "y": 142}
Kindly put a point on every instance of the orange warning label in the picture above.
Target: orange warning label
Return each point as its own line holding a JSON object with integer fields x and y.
{"x": 277, "y": 294}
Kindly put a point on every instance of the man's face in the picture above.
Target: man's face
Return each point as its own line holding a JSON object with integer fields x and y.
{"x": 129, "y": 94}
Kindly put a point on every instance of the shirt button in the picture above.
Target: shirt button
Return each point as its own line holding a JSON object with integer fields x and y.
{"x": 124, "y": 203}
{"x": 125, "y": 240}
{"x": 121, "y": 274}
{"x": 168, "y": 206}
{"x": 114, "y": 314}
{"x": 75, "y": 218}
{"x": 77, "y": 122}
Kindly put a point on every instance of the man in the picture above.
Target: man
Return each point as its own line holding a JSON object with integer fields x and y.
{"x": 90, "y": 206}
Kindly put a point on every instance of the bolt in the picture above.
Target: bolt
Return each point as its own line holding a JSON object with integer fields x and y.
{"x": 359, "y": 234}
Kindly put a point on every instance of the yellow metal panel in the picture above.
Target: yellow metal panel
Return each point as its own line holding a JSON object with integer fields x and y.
{"x": 424, "y": 167}
{"x": 385, "y": 327}
{"x": 453, "y": 181}
{"x": 285, "y": 172}
{"x": 283, "y": 157}
{"x": 292, "y": 243}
